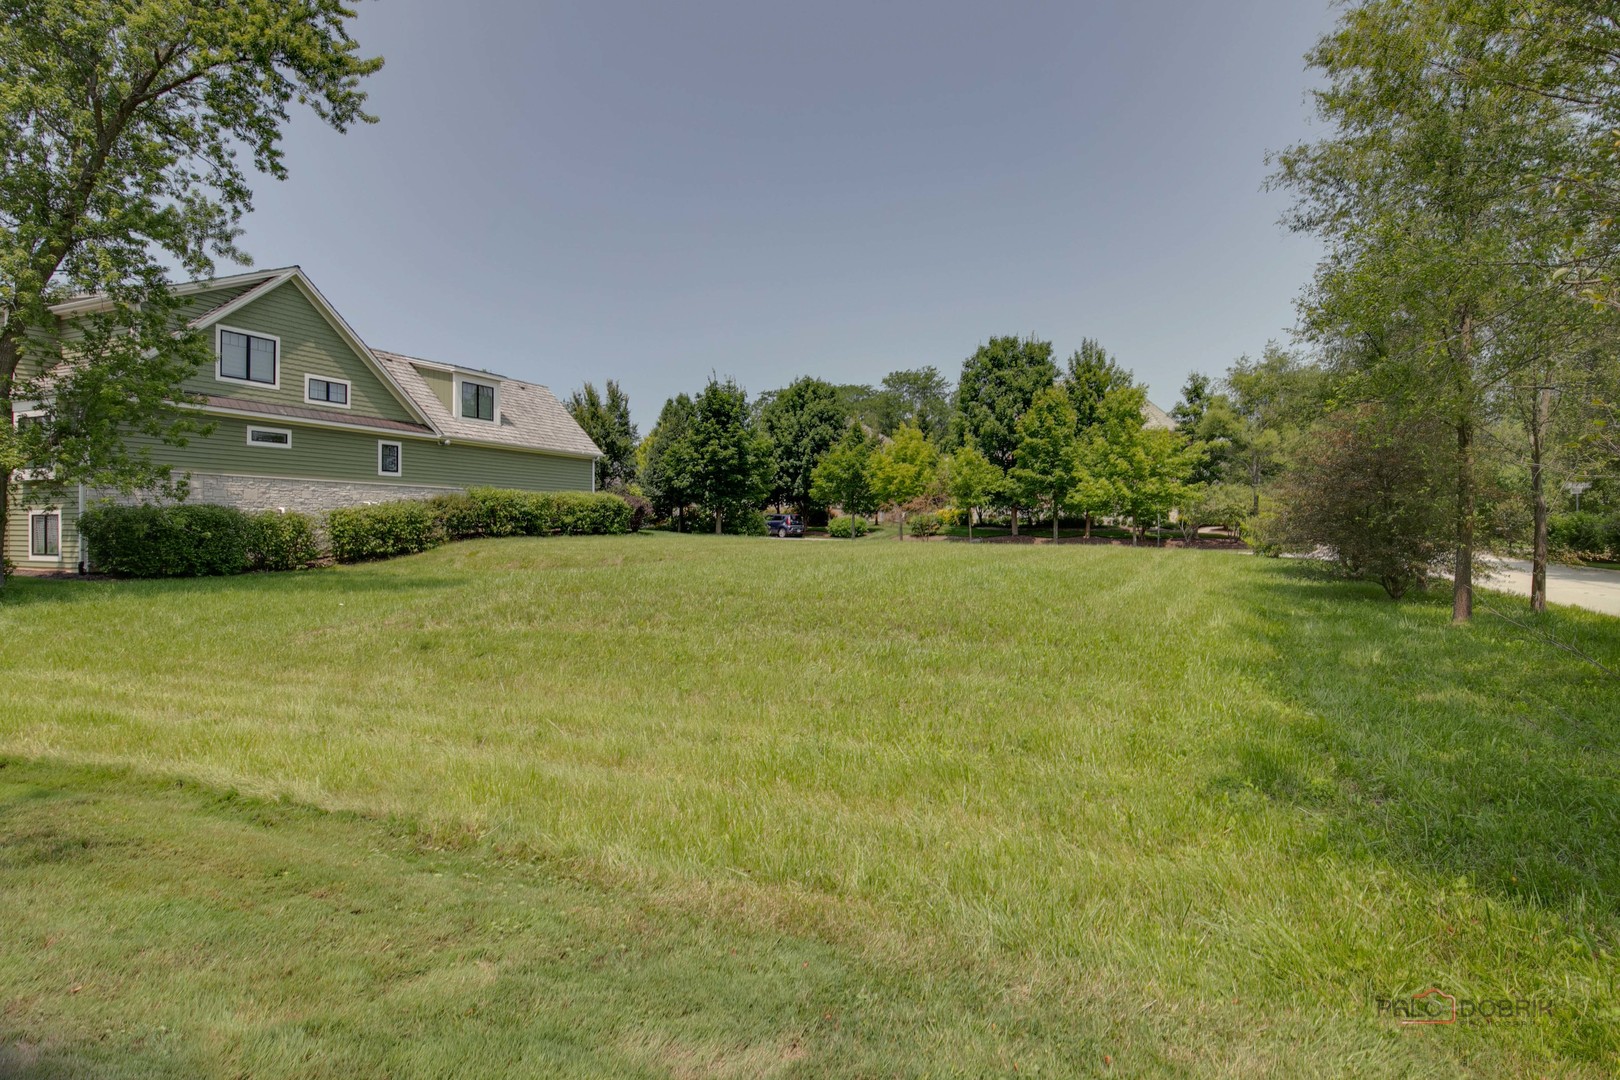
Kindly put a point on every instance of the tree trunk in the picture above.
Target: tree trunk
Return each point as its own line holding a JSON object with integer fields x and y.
{"x": 9, "y": 358}
{"x": 1015, "y": 521}
{"x": 1462, "y": 589}
{"x": 902, "y": 514}
{"x": 719, "y": 522}
{"x": 1538, "y": 492}
{"x": 1055, "y": 515}
{"x": 1088, "y": 524}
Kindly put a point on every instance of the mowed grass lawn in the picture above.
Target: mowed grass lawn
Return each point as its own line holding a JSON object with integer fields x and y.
{"x": 698, "y": 806}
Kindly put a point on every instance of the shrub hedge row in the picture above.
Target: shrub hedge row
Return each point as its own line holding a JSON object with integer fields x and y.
{"x": 192, "y": 540}
{"x": 1585, "y": 535}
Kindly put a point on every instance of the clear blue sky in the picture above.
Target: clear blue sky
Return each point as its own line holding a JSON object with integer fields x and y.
{"x": 651, "y": 192}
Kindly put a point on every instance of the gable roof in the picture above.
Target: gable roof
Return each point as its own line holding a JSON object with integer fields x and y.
{"x": 531, "y": 417}
{"x": 1155, "y": 417}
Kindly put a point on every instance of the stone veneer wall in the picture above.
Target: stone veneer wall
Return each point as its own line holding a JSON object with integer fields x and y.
{"x": 271, "y": 493}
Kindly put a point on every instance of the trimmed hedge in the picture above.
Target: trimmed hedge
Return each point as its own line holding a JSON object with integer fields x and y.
{"x": 168, "y": 541}
{"x": 283, "y": 540}
{"x": 193, "y": 540}
{"x": 383, "y": 530}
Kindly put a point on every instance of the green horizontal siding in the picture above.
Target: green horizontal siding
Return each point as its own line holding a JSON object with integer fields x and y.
{"x": 442, "y": 383}
{"x": 309, "y": 346}
{"x": 326, "y": 454}
{"x": 16, "y": 531}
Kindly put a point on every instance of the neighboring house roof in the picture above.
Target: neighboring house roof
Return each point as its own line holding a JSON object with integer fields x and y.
{"x": 1155, "y": 417}
{"x": 530, "y": 415}
{"x": 531, "y": 418}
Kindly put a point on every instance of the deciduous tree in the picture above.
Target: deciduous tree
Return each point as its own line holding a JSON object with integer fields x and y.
{"x": 998, "y": 383}
{"x": 125, "y": 130}
{"x": 842, "y": 479}
{"x": 732, "y": 466}
{"x": 1048, "y": 462}
{"x": 973, "y": 482}
{"x": 903, "y": 471}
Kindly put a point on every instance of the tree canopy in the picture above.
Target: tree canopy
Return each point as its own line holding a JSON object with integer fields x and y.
{"x": 606, "y": 419}
{"x": 125, "y": 135}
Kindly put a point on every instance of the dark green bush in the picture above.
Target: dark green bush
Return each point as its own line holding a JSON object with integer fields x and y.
{"x": 506, "y": 513}
{"x": 282, "y": 540}
{"x": 383, "y": 530}
{"x": 839, "y": 527}
{"x": 459, "y": 515}
{"x": 584, "y": 513}
{"x": 168, "y": 541}
{"x": 1584, "y": 535}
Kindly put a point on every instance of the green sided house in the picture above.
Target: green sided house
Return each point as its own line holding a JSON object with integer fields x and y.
{"x": 308, "y": 417}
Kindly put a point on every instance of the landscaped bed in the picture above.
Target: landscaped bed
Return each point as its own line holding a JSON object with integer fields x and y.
{"x": 696, "y": 805}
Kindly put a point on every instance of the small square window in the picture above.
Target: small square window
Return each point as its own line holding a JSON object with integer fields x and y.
{"x": 45, "y": 536}
{"x": 388, "y": 463}
{"x": 477, "y": 401}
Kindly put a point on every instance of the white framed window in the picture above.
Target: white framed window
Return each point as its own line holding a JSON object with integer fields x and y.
{"x": 477, "y": 399}
{"x": 280, "y": 438}
{"x": 389, "y": 459}
{"x": 319, "y": 390}
{"x": 45, "y": 535}
{"x": 27, "y": 416}
{"x": 241, "y": 356}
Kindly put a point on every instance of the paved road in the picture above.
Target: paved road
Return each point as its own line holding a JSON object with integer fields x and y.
{"x": 1580, "y": 586}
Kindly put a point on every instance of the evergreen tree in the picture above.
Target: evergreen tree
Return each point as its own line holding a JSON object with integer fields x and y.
{"x": 607, "y": 421}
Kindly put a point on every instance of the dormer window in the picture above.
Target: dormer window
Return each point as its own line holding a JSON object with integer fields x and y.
{"x": 245, "y": 357}
{"x": 477, "y": 400}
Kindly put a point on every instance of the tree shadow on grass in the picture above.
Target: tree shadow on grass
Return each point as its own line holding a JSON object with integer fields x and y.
{"x": 1480, "y": 752}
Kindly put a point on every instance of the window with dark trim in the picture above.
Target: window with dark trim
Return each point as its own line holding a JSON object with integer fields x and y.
{"x": 259, "y": 436}
{"x": 388, "y": 463}
{"x": 328, "y": 390}
{"x": 246, "y": 357}
{"x": 477, "y": 400}
{"x": 45, "y": 535}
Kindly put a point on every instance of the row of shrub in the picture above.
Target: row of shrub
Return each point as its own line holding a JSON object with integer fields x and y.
{"x": 1585, "y": 535}
{"x": 196, "y": 540}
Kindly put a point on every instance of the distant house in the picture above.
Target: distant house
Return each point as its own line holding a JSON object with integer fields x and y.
{"x": 1155, "y": 417}
{"x": 307, "y": 417}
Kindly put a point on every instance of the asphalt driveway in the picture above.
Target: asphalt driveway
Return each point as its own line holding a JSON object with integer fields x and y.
{"x": 1579, "y": 586}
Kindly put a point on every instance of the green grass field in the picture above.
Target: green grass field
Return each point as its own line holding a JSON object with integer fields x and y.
{"x": 694, "y": 806}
